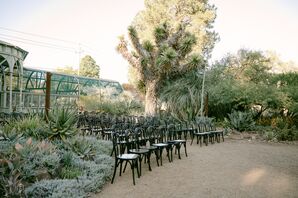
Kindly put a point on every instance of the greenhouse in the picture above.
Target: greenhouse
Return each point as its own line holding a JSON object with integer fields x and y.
{"x": 23, "y": 89}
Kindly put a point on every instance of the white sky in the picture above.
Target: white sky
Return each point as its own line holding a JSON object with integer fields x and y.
{"x": 257, "y": 24}
{"x": 254, "y": 24}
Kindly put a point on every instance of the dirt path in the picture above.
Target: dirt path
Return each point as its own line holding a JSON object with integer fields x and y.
{"x": 230, "y": 169}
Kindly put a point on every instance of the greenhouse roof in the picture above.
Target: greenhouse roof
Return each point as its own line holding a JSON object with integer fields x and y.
{"x": 25, "y": 53}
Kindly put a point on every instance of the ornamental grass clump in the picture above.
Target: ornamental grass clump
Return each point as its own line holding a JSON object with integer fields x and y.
{"x": 29, "y": 126}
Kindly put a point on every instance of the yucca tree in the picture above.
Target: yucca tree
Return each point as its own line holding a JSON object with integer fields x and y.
{"x": 166, "y": 58}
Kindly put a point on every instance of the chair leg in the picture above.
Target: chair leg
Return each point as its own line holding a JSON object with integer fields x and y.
{"x": 178, "y": 146}
{"x": 121, "y": 161}
{"x": 160, "y": 156}
{"x": 113, "y": 150}
{"x": 137, "y": 166}
{"x": 115, "y": 169}
{"x": 223, "y": 139}
{"x": 168, "y": 153}
{"x": 212, "y": 138}
{"x": 201, "y": 140}
{"x": 185, "y": 149}
{"x": 140, "y": 161}
{"x": 171, "y": 149}
{"x": 133, "y": 172}
{"x": 148, "y": 160}
{"x": 205, "y": 140}
{"x": 156, "y": 156}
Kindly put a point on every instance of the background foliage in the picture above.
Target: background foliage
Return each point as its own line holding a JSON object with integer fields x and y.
{"x": 242, "y": 89}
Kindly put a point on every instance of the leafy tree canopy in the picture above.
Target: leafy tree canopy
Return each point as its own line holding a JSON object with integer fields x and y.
{"x": 198, "y": 13}
{"x": 245, "y": 80}
{"x": 247, "y": 65}
{"x": 67, "y": 70}
{"x": 88, "y": 67}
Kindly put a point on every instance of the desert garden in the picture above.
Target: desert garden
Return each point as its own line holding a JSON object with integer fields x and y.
{"x": 182, "y": 127}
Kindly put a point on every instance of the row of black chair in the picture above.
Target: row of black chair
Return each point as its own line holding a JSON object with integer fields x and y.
{"x": 207, "y": 132}
{"x": 134, "y": 146}
{"x": 135, "y": 139}
{"x": 100, "y": 124}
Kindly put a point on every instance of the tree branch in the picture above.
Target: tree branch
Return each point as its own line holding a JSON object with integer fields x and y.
{"x": 175, "y": 36}
{"x": 123, "y": 50}
{"x": 136, "y": 42}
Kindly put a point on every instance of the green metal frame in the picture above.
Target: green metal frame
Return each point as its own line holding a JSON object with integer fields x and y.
{"x": 35, "y": 79}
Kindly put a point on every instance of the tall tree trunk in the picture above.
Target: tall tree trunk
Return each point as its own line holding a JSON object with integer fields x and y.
{"x": 151, "y": 98}
{"x": 206, "y": 105}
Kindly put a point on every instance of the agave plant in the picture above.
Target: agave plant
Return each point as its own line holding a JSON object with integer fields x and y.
{"x": 241, "y": 121}
{"x": 62, "y": 123}
{"x": 10, "y": 135}
{"x": 82, "y": 148}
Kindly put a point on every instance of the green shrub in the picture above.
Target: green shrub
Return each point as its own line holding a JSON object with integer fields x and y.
{"x": 37, "y": 165}
{"x": 87, "y": 147}
{"x": 70, "y": 173}
{"x": 56, "y": 188}
{"x": 103, "y": 160}
{"x": 93, "y": 177}
{"x": 241, "y": 121}
{"x": 40, "y": 160}
{"x": 100, "y": 146}
{"x": 95, "y": 174}
{"x": 269, "y": 135}
{"x": 67, "y": 158}
{"x": 29, "y": 126}
{"x": 123, "y": 104}
{"x": 6, "y": 147}
{"x": 279, "y": 132}
{"x": 286, "y": 134}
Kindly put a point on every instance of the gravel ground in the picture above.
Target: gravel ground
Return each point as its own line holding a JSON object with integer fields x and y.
{"x": 234, "y": 168}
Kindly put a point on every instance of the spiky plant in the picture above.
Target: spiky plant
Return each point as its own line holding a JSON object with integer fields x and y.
{"x": 62, "y": 123}
{"x": 182, "y": 97}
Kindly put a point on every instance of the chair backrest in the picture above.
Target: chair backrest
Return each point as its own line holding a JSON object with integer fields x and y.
{"x": 171, "y": 132}
{"x": 151, "y": 134}
{"x": 161, "y": 133}
{"x": 200, "y": 126}
{"x": 121, "y": 141}
{"x": 137, "y": 138}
